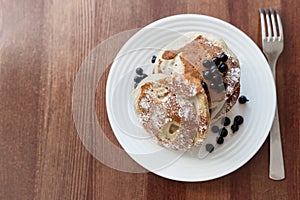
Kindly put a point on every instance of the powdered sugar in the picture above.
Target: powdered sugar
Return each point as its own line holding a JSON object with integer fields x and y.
{"x": 144, "y": 103}
{"x": 159, "y": 110}
{"x": 232, "y": 79}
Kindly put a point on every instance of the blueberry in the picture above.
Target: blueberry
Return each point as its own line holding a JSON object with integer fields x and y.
{"x": 220, "y": 87}
{"x": 135, "y": 85}
{"x": 238, "y": 120}
{"x": 207, "y": 75}
{"x": 223, "y": 132}
{"x": 243, "y": 99}
{"x": 153, "y": 59}
{"x": 223, "y": 57}
{"x": 213, "y": 66}
{"x": 137, "y": 79}
{"x": 220, "y": 140}
{"x": 217, "y": 79}
{"x": 234, "y": 127}
{"x": 209, "y": 147}
{"x": 216, "y": 60}
{"x": 207, "y": 63}
{"x": 223, "y": 68}
{"x": 215, "y": 129}
{"x": 215, "y": 71}
{"x": 144, "y": 76}
{"x": 225, "y": 121}
{"x": 139, "y": 71}
{"x": 204, "y": 85}
{"x": 213, "y": 85}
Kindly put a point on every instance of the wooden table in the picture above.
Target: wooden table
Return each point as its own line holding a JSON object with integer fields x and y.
{"x": 42, "y": 45}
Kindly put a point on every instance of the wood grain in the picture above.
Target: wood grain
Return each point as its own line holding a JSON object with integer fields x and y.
{"x": 42, "y": 45}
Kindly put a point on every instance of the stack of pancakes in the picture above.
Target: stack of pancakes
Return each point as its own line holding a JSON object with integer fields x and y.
{"x": 176, "y": 103}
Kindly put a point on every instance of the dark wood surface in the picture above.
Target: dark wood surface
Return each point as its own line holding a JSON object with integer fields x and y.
{"x": 42, "y": 45}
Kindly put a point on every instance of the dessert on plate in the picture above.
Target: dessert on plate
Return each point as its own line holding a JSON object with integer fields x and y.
{"x": 214, "y": 61}
{"x": 174, "y": 109}
{"x": 195, "y": 80}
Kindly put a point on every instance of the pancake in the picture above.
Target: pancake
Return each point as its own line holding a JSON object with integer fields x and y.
{"x": 173, "y": 108}
{"x": 188, "y": 52}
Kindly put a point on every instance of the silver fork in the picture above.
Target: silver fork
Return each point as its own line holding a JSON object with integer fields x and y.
{"x": 272, "y": 43}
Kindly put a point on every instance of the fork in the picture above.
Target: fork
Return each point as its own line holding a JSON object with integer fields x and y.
{"x": 272, "y": 44}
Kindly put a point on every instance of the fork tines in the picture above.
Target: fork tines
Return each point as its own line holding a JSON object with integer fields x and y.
{"x": 274, "y": 27}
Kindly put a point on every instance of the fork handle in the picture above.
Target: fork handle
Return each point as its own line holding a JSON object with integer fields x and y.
{"x": 276, "y": 168}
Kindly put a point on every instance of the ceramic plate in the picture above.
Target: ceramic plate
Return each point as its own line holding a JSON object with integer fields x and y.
{"x": 256, "y": 83}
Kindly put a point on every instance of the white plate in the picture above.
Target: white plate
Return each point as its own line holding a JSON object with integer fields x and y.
{"x": 256, "y": 83}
